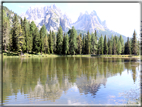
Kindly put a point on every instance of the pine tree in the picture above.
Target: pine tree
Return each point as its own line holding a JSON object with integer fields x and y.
{"x": 93, "y": 44}
{"x": 79, "y": 44}
{"x": 88, "y": 43}
{"x": 116, "y": 43}
{"x": 110, "y": 45}
{"x": 20, "y": 39}
{"x": 42, "y": 35}
{"x": 51, "y": 42}
{"x": 114, "y": 46}
{"x": 119, "y": 48}
{"x": 46, "y": 45}
{"x": 36, "y": 41}
{"x": 31, "y": 37}
{"x": 126, "y": 48}
{"x": 65, "y": 44}
{"x": 30, "y": 42}
{"x": 122, "y": 43}
{"x": 15, "y": 33}
{"x": 100, "y": 45}
{"x": 72, "y": 41}
{"x": 59, "y": 41}
{"x": 54, "y": 41}
{"x": 134, "y": 44}
{"x": 63, "y": 48}
{"x": 26, "y": 31}
{"x": 6, "y": 30}
{"x": 23, "y": 33}
{"x": 105, "y": 46}
{"x": 83, "y": 44}
{"x": 129, "y": 47}
{"x": 138, "y": 48}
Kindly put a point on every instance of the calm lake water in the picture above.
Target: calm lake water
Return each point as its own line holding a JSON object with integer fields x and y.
{"x": 68, "y": 80}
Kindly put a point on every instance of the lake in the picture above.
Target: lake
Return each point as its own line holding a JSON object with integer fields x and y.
{"x": 70, "y": 80}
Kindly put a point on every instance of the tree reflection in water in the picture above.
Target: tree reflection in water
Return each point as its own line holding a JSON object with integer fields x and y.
{"x": 48, "y": 78}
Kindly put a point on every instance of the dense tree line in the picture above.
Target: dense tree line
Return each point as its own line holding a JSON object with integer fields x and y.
{"x": 25, "y": 37}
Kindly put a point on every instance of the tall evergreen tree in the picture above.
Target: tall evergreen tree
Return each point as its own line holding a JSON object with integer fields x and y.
{"x": 119, "y": 48}
{"x": 138, "y": 48}
{"x": 46, "y": 45}
{"x": 105, "y": 46}
{"x": 42, "y": 35}
{"x": 72, "y": 41}
{"x": 110, "y": 45}
{"x": 83, "y": 44}
{"x": 88, "y": 43}
{"x": 6, "y": 30}
{"x": 59, "y": 41}
{"x": 20, "y": 39}
{"x": 54, "y": 41}
{"x": 51, "y": 42}
{"x": 65, "y": 44}
{"x": 36, "y": 40}
{"x": 79, "y": 44}
{"x": 134, "y": 44}
{"x": 15, "y": 33}
{"x": 26, "y": 31}
{"x": 101, "y": 45}
{"x": 122, "y": 43}
{"x": 93, "y": 43}
{"x": 114, "y": 46}
{"x": 129, "y": 46}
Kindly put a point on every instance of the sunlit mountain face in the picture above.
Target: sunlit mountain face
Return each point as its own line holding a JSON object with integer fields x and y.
{"x": 52, "y": 17}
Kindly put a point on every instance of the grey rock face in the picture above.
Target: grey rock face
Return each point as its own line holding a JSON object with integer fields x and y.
{"x": 90, "y": 22}
{"x": 50, "y": 16}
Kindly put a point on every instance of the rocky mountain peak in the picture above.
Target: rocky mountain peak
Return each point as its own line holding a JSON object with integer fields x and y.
{"x": 94, "y": 13}
{"x": 86, "y": 12}
{"x": 89, "y": 22}
{"x": 50, "y": 16}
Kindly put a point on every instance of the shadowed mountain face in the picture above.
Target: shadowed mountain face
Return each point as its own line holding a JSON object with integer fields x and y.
{"x": 49, "y": 78}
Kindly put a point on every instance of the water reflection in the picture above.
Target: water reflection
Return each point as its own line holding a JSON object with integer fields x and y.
{"x": 48, "y": 78}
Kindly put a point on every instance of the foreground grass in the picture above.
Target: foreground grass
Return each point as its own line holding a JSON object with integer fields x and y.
{"x": 15, "y": 55}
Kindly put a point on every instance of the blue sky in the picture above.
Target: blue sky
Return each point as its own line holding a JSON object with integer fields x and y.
{"x": 120, "y": 17}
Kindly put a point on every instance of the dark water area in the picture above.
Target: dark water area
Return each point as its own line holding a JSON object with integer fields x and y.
{"x": 70, "y": 80}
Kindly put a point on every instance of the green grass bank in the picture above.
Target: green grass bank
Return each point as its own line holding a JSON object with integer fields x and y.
{"x": 15, "y": 55}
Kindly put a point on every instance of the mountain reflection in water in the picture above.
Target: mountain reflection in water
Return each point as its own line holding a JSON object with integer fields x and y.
{"x": 49, "y": 78}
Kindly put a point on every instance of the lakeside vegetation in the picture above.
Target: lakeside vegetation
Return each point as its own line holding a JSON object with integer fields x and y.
{"x": 38, "y": 55}
{"x": 23, "y": 37}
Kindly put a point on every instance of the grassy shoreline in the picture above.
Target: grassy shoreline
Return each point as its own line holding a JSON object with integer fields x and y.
{"x": 14, "y": 55}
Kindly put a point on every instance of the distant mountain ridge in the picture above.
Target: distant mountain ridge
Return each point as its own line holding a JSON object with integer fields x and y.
{"x": 52, "y": 17}
{"x": 90, "y": 22}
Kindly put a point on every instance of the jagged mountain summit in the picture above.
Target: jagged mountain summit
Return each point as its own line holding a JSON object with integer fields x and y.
{"x": 50, "y": 16}
{"x": 90, "y": 22}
